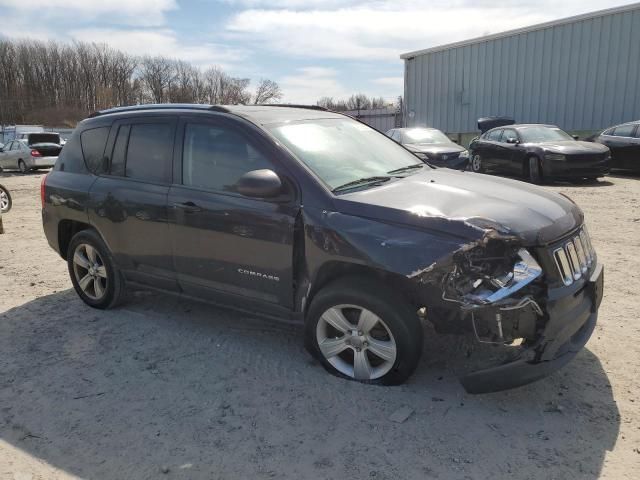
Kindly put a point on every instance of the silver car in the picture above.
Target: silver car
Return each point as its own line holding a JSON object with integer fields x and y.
{"x": 18, "y": 155}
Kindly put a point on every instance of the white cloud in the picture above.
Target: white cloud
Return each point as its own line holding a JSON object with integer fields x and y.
{"x": 132, "y": 12}
{"x": 395, "y": 82}
{"x": 308, "y": 84}
{"x": 382, "y": 30}
{"x": 161, "y": 42}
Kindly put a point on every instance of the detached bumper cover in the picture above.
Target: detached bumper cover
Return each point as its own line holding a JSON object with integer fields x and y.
{"x": 572, "y": 319}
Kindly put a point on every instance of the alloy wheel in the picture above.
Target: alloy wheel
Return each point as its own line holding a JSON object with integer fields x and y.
{"x": 4, "y": 201}
{"x": 356, "y": 342}
{"x": 476, "y": 163}
{"x": 90, "y": 271}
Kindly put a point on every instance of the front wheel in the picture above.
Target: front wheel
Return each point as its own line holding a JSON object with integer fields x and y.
{"x": 360, "y": 331}
{"x": 476, "y": 163}
{"x": 535, "y": 170}
{"x": 95, "y": 277}
{"x": 5, "y": 200}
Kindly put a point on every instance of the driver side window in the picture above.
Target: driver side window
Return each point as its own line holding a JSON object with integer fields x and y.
{"x": 509, "y": 135}
{"x": 215, "y": 157}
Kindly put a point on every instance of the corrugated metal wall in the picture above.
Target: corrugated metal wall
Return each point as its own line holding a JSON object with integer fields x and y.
{"x": 581, "y": 76}
{"x": 381, "y": 119}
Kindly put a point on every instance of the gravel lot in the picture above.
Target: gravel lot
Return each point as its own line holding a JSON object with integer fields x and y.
{"x": 164, "y": 387}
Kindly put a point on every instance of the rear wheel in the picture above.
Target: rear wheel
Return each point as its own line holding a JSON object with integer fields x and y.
{"x": 534, "y": 170}
{"x": 22, "y": 166}
{"x": 360, "y": 331}
{"x": 5, "y": 200}
{"x": 93, "y": 272}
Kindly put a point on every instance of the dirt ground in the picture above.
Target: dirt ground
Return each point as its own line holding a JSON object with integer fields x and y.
{"x": 164, "y": 387}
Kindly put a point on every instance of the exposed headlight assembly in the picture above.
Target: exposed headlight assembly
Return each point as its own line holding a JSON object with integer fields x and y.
{"x": 464, "y": 154}
{"x": 555, "y": 157}
{"x": 487, "y": 277}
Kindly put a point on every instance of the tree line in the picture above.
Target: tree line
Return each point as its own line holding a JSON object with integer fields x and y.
{"x": 358, "y": 101}
{"x": 59, "y": 84}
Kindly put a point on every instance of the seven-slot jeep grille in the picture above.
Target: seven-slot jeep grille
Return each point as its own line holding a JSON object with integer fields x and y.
{"x": 574, "y": 257}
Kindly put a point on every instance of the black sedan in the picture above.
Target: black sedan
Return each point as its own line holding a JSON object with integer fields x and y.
{"x": 624, "y": 143}
{"x": 431, "y": 145}
{"x": 537, "y": 152}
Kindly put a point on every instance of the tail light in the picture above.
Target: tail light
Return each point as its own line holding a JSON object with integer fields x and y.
{"x": 35, "y": 153}
{"x": 43, "y": 186}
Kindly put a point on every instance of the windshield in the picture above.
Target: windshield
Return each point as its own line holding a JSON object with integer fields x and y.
{"x": 543, "y": 134}
{"x": 342, "y": 150}
{"x": 425, "y": 135}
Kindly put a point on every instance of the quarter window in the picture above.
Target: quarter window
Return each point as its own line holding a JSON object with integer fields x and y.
{"x": 215, "y": 157}
{"x": 149, "y": 152}
{"x": 93, "y": 142}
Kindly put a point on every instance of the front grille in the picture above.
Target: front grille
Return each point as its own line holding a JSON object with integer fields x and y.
{"x": 574, "y": 257}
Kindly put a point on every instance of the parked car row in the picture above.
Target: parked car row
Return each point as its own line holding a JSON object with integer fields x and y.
{"x": 533, "y": 151}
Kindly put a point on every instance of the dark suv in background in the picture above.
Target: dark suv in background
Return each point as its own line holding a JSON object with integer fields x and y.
{"x": 311, "y": 215}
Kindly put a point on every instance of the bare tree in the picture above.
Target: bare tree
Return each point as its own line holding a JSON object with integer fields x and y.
{"x": 267, "y": 91}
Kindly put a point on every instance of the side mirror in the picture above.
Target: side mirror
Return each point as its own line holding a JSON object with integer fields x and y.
{"x": 513, "y": 140}
{"x": 260, "y": 184}
{"x": 575, "y": 137}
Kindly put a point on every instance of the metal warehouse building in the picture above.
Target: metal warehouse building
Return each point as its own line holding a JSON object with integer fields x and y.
{"x": 580, "y": 73}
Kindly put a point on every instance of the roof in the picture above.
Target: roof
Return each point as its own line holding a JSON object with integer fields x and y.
{"x": 518, "y": 31}
{"x": 260, "y": 114}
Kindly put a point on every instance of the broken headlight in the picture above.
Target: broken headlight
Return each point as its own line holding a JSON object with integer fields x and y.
{"x": 490, "y": 274}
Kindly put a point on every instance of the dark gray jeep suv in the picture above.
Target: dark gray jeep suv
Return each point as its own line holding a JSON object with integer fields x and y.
{"x": 311, "y": 215}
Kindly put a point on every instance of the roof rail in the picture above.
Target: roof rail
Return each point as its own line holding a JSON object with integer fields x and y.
{"x": 292, "y": 105}
{"x": 159, "y": 106}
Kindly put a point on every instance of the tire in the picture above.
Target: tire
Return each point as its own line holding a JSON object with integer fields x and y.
{"x": 383, "y": 334}
{"x": 23, "y": 167}
{"x": 476, "y": 163}
{"x": 104, "y": 287}
{"x": 534, "y": 170}
{"x": 5, "y": 200}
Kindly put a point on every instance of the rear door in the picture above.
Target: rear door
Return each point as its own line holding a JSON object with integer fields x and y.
{"x": 226, "y": 245}
{"x": 491, "y": 150}
{"x": 129, "y": 198}
{"x": 5, "y": 156}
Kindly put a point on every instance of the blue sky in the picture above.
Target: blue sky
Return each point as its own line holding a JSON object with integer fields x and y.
{"x": 312, "y": 48}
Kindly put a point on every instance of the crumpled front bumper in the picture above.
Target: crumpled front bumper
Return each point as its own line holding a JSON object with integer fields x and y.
{"x": 573, "y": 313}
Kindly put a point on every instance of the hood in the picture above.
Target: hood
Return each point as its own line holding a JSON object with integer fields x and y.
{"x": 434, "y": 148}
{"x": 574, "y": 147}
{"x": 467, "y": 204}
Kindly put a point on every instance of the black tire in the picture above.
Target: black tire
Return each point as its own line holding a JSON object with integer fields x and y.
{"x": 113, "y": 284}
{"x": 534, "y": 170}
{"x": 476, "y": 163}
{"x": 23, "y": 167}
{"x": 5, "y": 200}
{"x": 397, "y": 315}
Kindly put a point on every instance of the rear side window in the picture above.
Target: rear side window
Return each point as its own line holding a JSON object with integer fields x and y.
{"x": 149, "y": 152}
{"x": 93, "y": 143}
{"x": 624, "y": 131}
{"x": 215, "y": 157}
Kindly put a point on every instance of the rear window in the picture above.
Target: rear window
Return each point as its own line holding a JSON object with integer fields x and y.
{"x": 93, "y": 143}
{"x": 149, "y": 152}
{"x": 35, "y": 138}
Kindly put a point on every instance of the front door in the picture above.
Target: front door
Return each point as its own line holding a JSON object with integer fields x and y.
{"x": 224, "y": 242}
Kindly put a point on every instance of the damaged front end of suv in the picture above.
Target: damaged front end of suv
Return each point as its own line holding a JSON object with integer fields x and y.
{"x": 540, "y": 302}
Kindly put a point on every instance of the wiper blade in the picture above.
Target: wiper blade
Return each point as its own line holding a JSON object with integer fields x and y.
{"x": 361, "y": 181}
{"x": 408, "y": 167}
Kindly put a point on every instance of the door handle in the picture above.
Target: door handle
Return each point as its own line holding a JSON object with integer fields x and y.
{"x": 188, "y": 207}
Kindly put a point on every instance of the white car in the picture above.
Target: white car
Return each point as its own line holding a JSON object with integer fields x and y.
{"x": 30, "y": 154}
